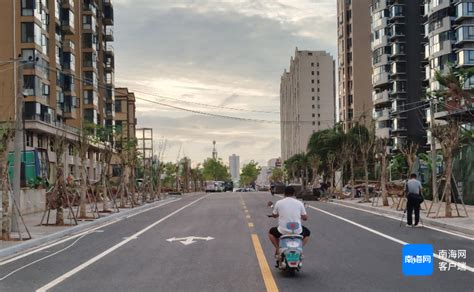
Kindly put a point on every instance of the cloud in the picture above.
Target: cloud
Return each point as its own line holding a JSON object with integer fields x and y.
{"x": 224, "y": 53}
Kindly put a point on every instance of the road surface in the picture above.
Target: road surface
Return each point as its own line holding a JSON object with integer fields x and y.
{"x": 218, "y": 242}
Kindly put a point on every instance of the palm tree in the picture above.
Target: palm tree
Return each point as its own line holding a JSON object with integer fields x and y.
{"x": 456, "y": 98}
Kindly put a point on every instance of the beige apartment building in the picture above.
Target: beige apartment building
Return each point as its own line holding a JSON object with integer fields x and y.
{"x": 307, "y": 99}
{"x": 125, "y": 109}
{"x": 355, "y": 62}
{"x": 61, "y": 51}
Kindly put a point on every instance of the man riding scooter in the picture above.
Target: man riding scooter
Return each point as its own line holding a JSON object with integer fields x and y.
{"x": 288, "y": 210}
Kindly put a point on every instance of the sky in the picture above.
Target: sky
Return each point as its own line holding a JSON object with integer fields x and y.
{"x": 227, "y": 54}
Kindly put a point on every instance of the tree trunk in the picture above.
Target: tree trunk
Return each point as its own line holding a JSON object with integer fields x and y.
{"x": 353, "y": 191}
{"x": 383, "y": 179}
{"x": 447, "y": 187}
{"x": 83, "y": 199}
{"x": 5, "y": 201}
{"x": 366, "y": 177}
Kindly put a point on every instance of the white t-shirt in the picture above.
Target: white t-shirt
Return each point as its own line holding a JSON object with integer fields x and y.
{"x": 289, "y": 210}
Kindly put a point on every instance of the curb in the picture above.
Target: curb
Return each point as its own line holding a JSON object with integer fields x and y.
{"x": 32, "y": 243}
{"x": 426, "y": 221}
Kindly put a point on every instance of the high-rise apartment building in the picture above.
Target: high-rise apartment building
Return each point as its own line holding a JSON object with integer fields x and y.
{"x": 449, "y": 30}
{"x": 307, "y": 99}
{"x": 397, "y": 43}
{"x": 355, "y": 62}
{"x": 68, "y": 78}
{"x": 234, "y": 166}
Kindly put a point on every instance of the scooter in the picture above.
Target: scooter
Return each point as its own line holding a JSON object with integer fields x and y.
{"x": 290, "y": 256}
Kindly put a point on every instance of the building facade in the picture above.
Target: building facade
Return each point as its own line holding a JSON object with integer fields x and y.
{"x": 125, "y": 113}
{"x": 307, "y": 99}
{"x": 397, "y": 42}
{"x": 449, "y": 30}
{"x": 354, "y": 62}
{"x": 234, "y": 167}
{"x": 67, "y": 69}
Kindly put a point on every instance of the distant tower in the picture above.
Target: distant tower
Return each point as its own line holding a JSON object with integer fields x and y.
{"x": 214, "y": 151}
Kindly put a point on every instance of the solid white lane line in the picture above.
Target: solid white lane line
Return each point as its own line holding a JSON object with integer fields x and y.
{"x": 58, "y": 242}
{"x": 398, "y": 219}
{"x": 111, "y": 249}
{"x": 41, "y": 259}
{"x": 35, "y": 250}
{"x": 458, "y": 264}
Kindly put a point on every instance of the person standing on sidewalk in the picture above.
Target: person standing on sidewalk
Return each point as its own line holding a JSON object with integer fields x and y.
{"x": 413, "y": 190}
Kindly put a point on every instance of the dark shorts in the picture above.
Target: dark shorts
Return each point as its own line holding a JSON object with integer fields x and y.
{"x": 274, "y": 231}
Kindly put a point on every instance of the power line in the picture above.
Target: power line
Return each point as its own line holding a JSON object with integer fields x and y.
{"x": 205, "y": 104}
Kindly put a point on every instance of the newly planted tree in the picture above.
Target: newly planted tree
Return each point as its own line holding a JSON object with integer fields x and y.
{"x": 382, "y": 155}
{"x": 6, "y": 135}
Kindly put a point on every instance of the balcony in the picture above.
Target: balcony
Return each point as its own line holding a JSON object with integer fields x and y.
{"x": 108, "y": 14}
{"x": 109, "y": 50}
{"x": 69, "y": 47}
{"x": 463, "y": 35}
{"x": 436, "y": 27}
{"x": 381, "y": 97}
{"x": 435, "y": 6}
{"x": 68, "y": 4}
{"x": 382, "y": 115}
{"x": 381, "y": 79}
{"x": 382, "y": 132}
{"x": 380, "y": 23}
{"x": 383, "y": 60}
{"x": 67, "y": 27}
{"x": 463, "y": 12}
{"x": 378, "y": 5}
{"x": 109, "y": 34}
{"x": 109, "y": 66}
{"x": 380, "y": 42}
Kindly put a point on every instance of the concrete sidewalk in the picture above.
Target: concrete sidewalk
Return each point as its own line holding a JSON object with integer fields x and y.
{"x": 456, "y": 224}
{"x": 42, "y": 234}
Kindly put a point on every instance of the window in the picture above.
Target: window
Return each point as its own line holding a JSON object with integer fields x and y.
{"x": 310, "y": 54}
{"x": 29, "y": 139}
{"x": 27, "y": 32}
{"x": 312, "y": 98}
{"x": 312, "y": 72}
{"x": 312, "y": 106}
{"x": 29, "y": 82}
{"x": 319, "y": 98}
{"x": 41, "y": 141}
{"x": 318, "y": 89}
{"x": 27, "y": 7}
{"x": 70, "y": 150}
{"x": 319, "y": 107}
{"x": 313, "y": 115}
{"x": 312, "y": 81}
{"x": 319, "y": 115}
{"x": 118, "y": 106}
{"x": 317, "y": 64}
{"x": 314, "y": 123}
{"x": 312, "y": 64}
{"x": 318, "y": 73}
{"x": 319, "y": 123}
{"x": 312, "y": 89}
{"x": 318, "y": 81}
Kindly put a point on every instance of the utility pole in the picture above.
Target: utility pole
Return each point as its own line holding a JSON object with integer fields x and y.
{"x": 18, "y": 146}
{"x": 433, "y": 154}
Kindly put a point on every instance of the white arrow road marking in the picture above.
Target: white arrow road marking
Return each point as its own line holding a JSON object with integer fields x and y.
{"x": 190, "y": 239}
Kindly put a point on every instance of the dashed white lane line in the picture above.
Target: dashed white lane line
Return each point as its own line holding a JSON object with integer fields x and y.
{"x": 457, "y": 264}
{"x": 111, "y": 249}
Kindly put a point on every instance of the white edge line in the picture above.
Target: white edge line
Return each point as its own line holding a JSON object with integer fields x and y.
{"x": 35, "y": 250}
{"x": 460, "y": 265}
{"x": 398, "y": 219}
{"x": 111, "y": 249}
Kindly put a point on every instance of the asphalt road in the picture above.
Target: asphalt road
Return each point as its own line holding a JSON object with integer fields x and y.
{"x": 349, "y": 250}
